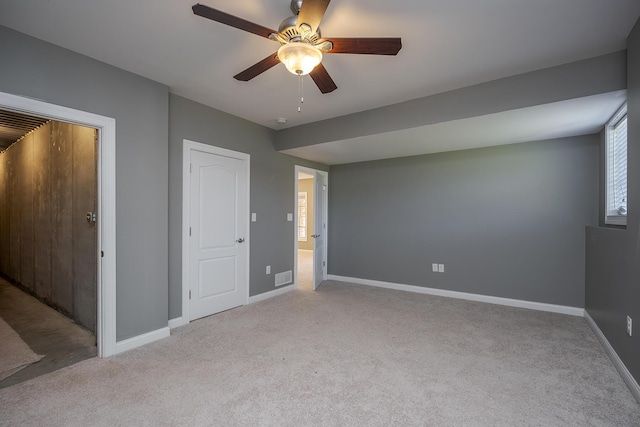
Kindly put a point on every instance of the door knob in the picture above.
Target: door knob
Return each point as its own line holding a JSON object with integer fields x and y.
{"x": 240, "y": 240}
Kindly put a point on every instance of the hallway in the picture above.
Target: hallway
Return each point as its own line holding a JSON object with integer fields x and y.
{"x": 48, "y": 333}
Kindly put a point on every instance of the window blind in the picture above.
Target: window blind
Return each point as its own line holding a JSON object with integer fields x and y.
{"x": 619, "y": 169}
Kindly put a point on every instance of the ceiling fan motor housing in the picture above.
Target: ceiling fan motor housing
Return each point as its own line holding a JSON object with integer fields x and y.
{"x": 291, "y": 32}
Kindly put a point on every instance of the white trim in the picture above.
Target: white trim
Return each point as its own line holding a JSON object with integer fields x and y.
{"x": 211, "y": 149}
{"x": 539, "y": 306}
{"x": 177, "y": 322}
{"x": 307, "y": 251}
{"x": 141, "y": 340}
{"x": 106, "y": 274}
{"x": 619, "y": 364}
{"x": 277, "y": 292}
{"x": 325, "y": 231}
{"x": 185, "y": 229}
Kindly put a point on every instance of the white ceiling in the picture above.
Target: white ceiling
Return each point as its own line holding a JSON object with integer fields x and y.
{"x": 447, "y": 44}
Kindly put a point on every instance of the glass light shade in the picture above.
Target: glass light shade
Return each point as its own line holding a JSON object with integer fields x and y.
{"x": 300, "y": 58}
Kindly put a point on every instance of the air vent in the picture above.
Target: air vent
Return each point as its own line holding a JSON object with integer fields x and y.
{"x": 284, "y": 278}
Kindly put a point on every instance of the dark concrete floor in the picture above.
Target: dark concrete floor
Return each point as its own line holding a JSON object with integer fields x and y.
{"x": 61, "y": 341}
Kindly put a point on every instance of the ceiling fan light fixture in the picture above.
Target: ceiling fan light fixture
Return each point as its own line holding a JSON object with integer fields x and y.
{"x": 300, "y": 58}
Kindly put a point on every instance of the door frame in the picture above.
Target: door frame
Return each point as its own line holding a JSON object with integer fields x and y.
{"x": 187, "y": 147}
{"x": 325, "y": 231}
{"x": 106, "y": 180}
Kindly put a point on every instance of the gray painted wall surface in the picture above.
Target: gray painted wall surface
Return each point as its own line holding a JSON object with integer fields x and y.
{"x": 272, "y": 190}
{"x": 36, "y": 69}
{"x": 506, "y": 221}
{"x": 613, "y": 255}
{"x": 47, "y": 185}
{"x": 593, "y": 76}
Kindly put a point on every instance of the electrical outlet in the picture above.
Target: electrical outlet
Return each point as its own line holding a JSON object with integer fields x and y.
{"x": 268, "y": 269}
{"x": 434, "y": 267}
{"x": 441, "y": 268}
{"x": 629, "y": 325}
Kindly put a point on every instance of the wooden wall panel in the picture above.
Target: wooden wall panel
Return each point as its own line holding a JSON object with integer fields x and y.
{"x": 48, "y": 182}
{"x": 62, "y": 202}
{"x": 25, "y": 168}
{"x": 4, "y": 213}
{"x": 84, "y": 232}
{"x": 15, "y": 216}
{"x": 42, "y": 211}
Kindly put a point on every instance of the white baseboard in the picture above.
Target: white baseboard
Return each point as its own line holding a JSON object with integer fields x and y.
{"x": 271, "y": 294}
{"x": 178, "y": 321}
{"x": 540, "y": 306}
{"x": 140, "y": 340}
{"x": 620, "y": 366}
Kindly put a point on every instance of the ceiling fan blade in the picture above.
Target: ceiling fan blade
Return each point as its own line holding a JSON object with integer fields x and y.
{"x": 233, "y": 21}
{"x": 366, "y": 46}
{"x": 311, "y": 13}
{"x": 322, "y": 79}
{"x": 259, "y": 68}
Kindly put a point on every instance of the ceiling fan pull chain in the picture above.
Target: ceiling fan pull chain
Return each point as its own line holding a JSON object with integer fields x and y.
{"x": 301, "y": 92}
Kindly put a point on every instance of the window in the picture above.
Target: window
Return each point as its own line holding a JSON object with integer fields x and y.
{"x": 302, "y": 216}
{"x": 616, "y": 168}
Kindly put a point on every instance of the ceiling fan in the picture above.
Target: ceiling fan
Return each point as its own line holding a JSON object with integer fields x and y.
{"x": 301, "y": 43}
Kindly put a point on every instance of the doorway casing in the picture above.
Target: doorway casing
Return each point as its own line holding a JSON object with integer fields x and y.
{"x": 106, "y": 248}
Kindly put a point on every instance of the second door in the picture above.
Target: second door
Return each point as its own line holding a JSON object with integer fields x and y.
{"x": 218, "y": 215}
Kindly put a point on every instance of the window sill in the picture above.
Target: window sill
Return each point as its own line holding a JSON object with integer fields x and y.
{"x": 616, "y": 220}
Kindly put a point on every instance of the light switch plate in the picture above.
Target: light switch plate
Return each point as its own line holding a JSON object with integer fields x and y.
{"x": 441, "y": 268}
{"x": 254, "y": 217}
{"x": 434, "y": 267}
{"x": 289, "y": 217}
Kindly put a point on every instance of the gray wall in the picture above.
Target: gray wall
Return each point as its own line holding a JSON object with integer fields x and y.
{"x": 36, "y": 69}
{"x": 506, "y": 221}
{"x": 613, "y": 255}
{"x": 47, "y": 184}
{"x": 272, "y": 190}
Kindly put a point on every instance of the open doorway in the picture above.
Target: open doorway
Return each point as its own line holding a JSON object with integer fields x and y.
{"x": 105, "y": 227}
{"x": 305, "y": 230}
{"x": 310, "y": 248}
{"x": 106, "y": 211}
{"x": 48, "y": 245}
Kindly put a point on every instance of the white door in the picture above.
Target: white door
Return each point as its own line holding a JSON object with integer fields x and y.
{"x": 218, "y": 217}
{"x": 320, "y": 226}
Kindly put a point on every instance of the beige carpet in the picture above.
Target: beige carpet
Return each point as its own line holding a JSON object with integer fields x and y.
{"x": 305, "y": 270}
{"x": 15, "y": 354}
{"x": 344, "y": 355}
